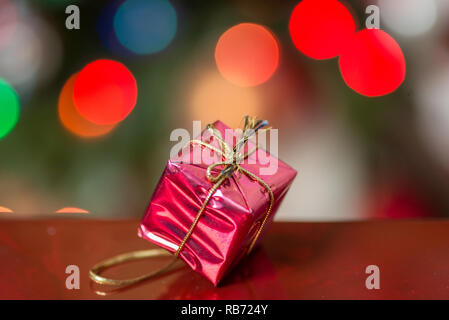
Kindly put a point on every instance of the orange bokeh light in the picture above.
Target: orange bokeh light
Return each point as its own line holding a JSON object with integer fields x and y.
{"x": 70, "y": 117}
{"x": 5, "y": 210}
{"x": 214, "y": 98}
{"x": 72, "y": 210}
{"x": 247, "y": 54}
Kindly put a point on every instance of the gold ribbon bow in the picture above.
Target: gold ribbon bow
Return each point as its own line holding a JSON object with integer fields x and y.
{"x": 231, "y": 159}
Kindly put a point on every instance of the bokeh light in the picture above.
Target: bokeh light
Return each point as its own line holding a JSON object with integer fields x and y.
{"x": 247, "y": 54}
{"x": 21, "y": 57}
{"x": 9, "y": 108}
{"x": 71, "y": 118}
{"x": 321, "y": 29}
{"x": 215, "y": 98}
{"x": 145, "y": 26}
{"x": 331, "y": 167}
{"x": 373, "y": 63}
{"x": 433, "y": 113}
{"x": 5, "y": 210}
{"x": 105, "y": 92}
{"x": 25, "y": 61}
{"x": 408, "y": 17}
{"x": 72, "y": 210}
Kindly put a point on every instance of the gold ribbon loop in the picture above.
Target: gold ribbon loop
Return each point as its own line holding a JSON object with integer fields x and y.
{"x": 231, "y": 160}
{"x": 96, "y": 270}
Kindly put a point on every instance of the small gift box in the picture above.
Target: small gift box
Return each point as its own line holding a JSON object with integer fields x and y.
{"x": 211, "y": 213}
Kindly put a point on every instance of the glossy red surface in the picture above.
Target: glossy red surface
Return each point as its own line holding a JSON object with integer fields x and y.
{"x": 296, "y": 261}
{"x": 232, "y": 217}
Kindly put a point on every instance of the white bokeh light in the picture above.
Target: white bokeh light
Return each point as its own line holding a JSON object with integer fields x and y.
{"x": 32, "y": 54}
{"x": 329, "y": 167}
{"x": 433, "y": 114}
{"x": 408, "y": 17}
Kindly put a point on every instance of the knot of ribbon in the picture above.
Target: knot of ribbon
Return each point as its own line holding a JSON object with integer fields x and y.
{"x": 231, "y": 158}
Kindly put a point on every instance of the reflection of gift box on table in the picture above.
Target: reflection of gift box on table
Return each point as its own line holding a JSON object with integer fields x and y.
{"x": 232, "y": 217}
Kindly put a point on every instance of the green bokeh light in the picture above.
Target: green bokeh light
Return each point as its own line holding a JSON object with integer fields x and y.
{"x": 9, "y": 108}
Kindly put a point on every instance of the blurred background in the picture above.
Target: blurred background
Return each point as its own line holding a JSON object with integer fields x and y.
{"x": 363, "y": 117}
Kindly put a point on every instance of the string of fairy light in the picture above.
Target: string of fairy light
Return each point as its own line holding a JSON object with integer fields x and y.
{"x": 95, "y": 99}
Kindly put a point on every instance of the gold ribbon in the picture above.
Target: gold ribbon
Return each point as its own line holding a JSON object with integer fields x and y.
{"x": 231, "y": 162}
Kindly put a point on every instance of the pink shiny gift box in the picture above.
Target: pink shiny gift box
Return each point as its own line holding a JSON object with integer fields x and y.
{"x": 231, "y": 218}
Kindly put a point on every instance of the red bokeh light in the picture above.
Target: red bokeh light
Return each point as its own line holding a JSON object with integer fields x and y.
{"x": 105, "y": 92}
{"x": 373, "y": 63}
{"x": 247, "y": 54}
{"x": 321, "y": 29}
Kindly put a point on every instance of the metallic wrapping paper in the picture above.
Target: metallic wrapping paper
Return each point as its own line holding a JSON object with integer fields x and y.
{"x": 231, "y": 219}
